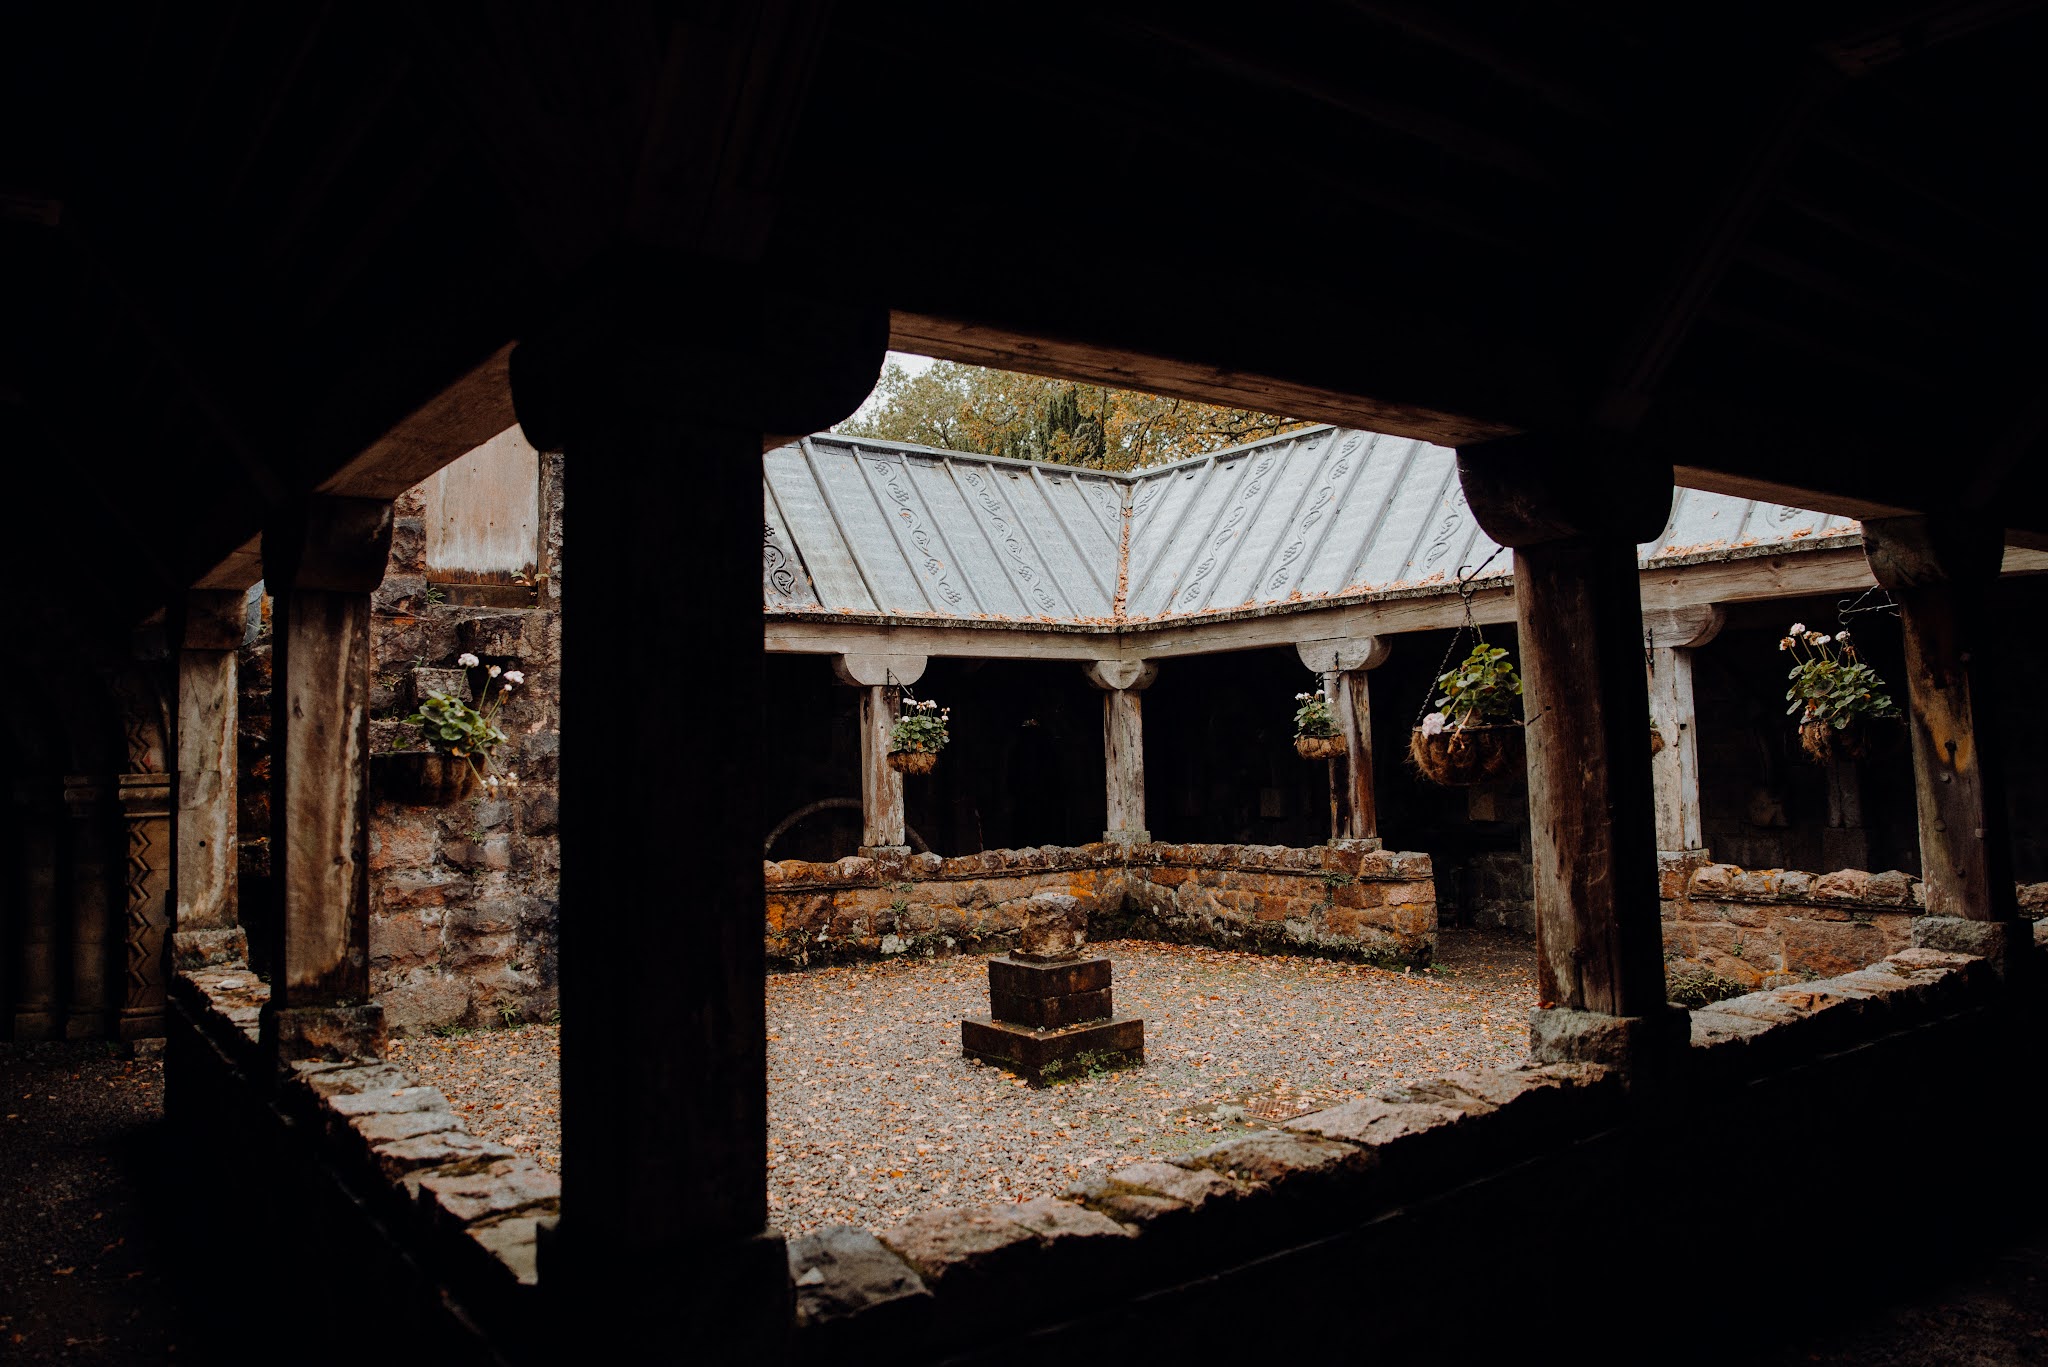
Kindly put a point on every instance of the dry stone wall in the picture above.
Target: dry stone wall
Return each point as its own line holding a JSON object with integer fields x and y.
{"x": 463, "y": 900}
{"x": 1771, "y": 927}
{"x": 1342, "y": 901}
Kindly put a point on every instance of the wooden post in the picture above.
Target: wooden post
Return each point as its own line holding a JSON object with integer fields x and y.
{"x": 1123, "y": 745}
{"x": 1343, "y": 663}
{"x": 320, "y": 565}
{"x": 39, "y": 845}
{"x": 203, "y": 801}
{"x": 89, "y": 1007}
{"x": 663, "y": 379}
{"x": 1669, "y": 638}
{"x": 881, "y": 679}
{"x": 1942, "y": 570}
{"x": 1574, "y": 513}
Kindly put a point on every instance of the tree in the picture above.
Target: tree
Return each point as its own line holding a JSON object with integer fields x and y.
{"x": 1028, "y": 417}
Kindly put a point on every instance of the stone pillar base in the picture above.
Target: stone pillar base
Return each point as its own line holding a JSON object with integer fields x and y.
{"x": 1128, "y": 837}
{"x": 730, "y": 1299}
{"x": 1631, "y": 1043}
{"x": 2007, "y": 945}
{"x": 1365, "y": 844}
{"x": 204, "y": 948}
{"x": 885, "y": 853}
{"x": 340, "y": 1034}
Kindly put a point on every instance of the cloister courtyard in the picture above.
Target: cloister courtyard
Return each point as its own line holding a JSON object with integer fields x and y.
{"x": 874, "y": 1115}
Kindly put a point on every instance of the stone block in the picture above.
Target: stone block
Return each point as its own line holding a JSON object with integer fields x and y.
{"x": 1289, "y": 1163}
{"x": 1017, "y": 978}
{"x": 842, "y": 1274}
{"x": 1631, "y": 1043}
{"x": 1714, "y": 880}
{"x": 1826, "y": 948}
{"x": 1144, "y": 1194}
{"x": 421, "y": 684}
{"x": 1047, "y": 1013}
{"x": 1893, "y": 887}
{"x": 387, "y": 1101}
{"x": 384, "y": 1127}
{"x": 1043, "y": 1057}
{"x": 448, "y": 1149}
{"x": 347, "y": 1034}
{"x": 949, "y": 1247}
{"x": 1842, "y": 885}
{"x": 514, "y": 1243}
{"x": 1054, "y": 928}
{"x": 497, "y": 1188}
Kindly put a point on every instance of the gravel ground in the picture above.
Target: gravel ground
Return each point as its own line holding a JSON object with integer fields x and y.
{"x": 873, "y": 1114}
{"x": 82, "y": 1277}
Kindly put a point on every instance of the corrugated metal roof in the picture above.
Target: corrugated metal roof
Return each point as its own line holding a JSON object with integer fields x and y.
{"x": 905, "y": 531}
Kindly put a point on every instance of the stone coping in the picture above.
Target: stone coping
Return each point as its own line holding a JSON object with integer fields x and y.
{"x": 399, "y": 1143}
{"x": 1351, "y": 859}
{"x": 930, "y": 1282}
{"x": 934, "y": 1280}
{"x": 1892, "y": 890}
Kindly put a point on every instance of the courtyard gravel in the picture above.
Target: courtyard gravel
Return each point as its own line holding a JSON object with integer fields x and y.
{"x": 874, "y": 1115}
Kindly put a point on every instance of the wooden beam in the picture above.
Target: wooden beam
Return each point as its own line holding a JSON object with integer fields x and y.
{"x": 1092, "y": 363}
{"x": 438, "y": 433}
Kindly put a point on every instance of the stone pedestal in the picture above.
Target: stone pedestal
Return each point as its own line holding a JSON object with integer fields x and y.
{"x": 1052, "y": 1020}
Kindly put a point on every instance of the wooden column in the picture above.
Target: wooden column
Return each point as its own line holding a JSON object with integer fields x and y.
{"x": 1123, "y": 745}
{"x": 881, "y": 679}
{"x": 1669, "y": 638}
{"x": 1343, "y": 663}
{"x": 320, "y": 564}
{"x": 1574, "y": 511}
{"x": 206, "y": 929}
{"x": 1942, "y": 570}
{"x": 94, "y": 893}
{"x": 661, "y": 386}
{"x": 38, "y": 970}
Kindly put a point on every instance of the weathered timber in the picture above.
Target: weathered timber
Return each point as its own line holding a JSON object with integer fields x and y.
{"x": 659, "y": 376}
{"x": 1940, "y": 569}
{"x": 1585, "y": 703}
{"x": 1343, "y": 663}
{"x": 881, "y": 786}
{"x": 1670, "y": 636}
{"x": 1123, "y": 744}
{"x": 145, "y": 800}
{"x": 204, "y": 797}
{"x": 33, "y": 901}
{"x": 321, "y": 563}
{"x": 88, "y": 1007}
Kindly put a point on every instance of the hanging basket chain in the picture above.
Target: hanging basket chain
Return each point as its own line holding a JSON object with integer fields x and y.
{"x": 1853, "y": 607}
{"x": 1466, "y": 574}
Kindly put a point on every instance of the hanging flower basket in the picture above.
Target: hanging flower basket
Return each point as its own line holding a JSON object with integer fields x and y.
{"x": 918, "y": 735}
{"x": 1315, "y": 728}
{"x": 1460, "y": 757}
{"x": 1475, "y": 735}
{"x": 1823, "y": 742}
{"x": 1834, "y": 694}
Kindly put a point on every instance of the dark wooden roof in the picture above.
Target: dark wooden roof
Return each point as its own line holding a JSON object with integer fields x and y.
{"x": 1784, "y": 246}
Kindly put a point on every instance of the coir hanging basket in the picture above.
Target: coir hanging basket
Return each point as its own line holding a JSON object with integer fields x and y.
{"x": 424, "y": 778}
{"x": 913, "y": 761}
{"x": 1459, "y": 757}
{"x": 1822, "y": 742}
{"x": 1320, "y": 747}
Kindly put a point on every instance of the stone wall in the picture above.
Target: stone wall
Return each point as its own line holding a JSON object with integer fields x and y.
{"x": 1340, "y": 901}
{"x": 1763, "y": 928}
{"x": 463, "y": 898}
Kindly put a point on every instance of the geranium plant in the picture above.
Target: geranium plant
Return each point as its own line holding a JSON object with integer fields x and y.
{"x": 455, "y": 727}
{"x": 1313, "y": 719}
{"x": 1832, "y": 689}
{"x": 1484, "y": 690}
{"x": 922, "y": 729}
